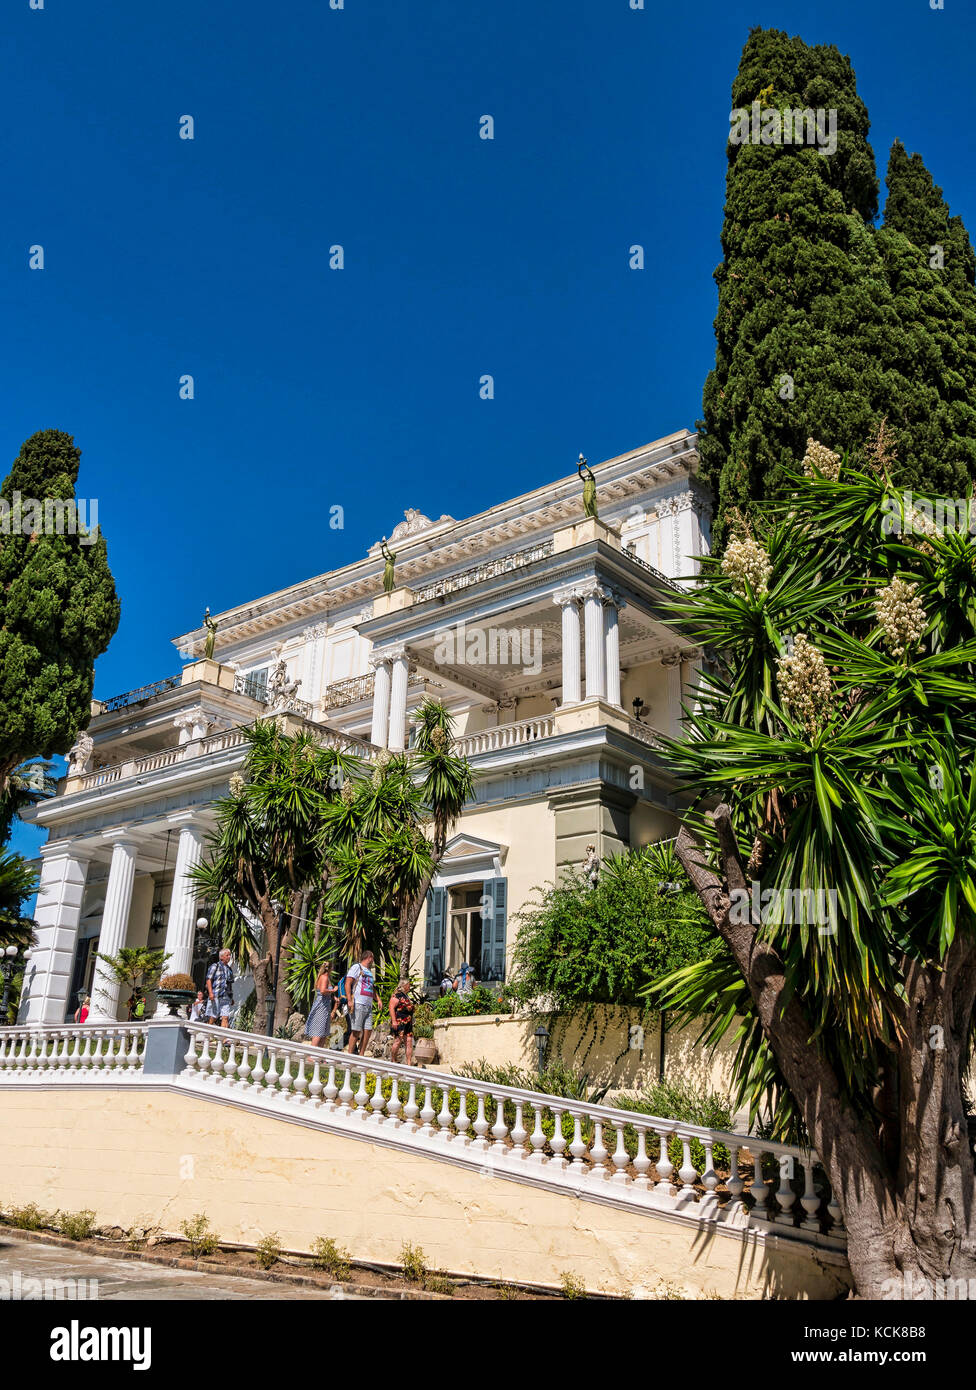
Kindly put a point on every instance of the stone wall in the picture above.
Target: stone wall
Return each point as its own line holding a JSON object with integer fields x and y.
{"x": 148, "y": 1157}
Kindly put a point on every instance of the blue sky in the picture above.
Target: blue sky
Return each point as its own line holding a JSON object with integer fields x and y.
{"x": 316, "y": 387}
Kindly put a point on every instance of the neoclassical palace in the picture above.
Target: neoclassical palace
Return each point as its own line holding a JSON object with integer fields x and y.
{"x": 538, "y": 626}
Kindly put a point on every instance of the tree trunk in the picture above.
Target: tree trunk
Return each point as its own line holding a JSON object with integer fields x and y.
{"x": 407, "y": 925}
{"x": 916, "y": 1222}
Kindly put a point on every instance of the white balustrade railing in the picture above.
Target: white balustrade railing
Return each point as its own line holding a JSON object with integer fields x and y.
{"x": 504, "y": 736}
{"x": 623, "y": 1154}
{"x": 81, "y": 1050}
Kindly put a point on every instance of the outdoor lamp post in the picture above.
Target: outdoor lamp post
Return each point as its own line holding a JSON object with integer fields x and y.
{"x": 7, "y": 958}
{"x": 541, "y": 1038}
{"x": 638, "y": 707}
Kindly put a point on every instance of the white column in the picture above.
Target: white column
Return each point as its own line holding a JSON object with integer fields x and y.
{"x": 57, "y": 914}
{"x": 181, "y": 922}
{"x": 398, "y": 701}
{"x": 115, "y": 920}
{"x": 596, "y": 675}
{"x": 672, "y": 667}
{"x": 569, "y": 603}
{"x": 611, "y": 641}
{"x": 381, "y": 700}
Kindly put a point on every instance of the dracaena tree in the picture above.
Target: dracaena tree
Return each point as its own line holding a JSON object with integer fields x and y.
{"x": 833, "y": 748}
{"x": 265, "y": 855}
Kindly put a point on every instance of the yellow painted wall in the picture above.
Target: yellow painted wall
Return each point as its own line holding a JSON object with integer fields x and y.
{"x": 614, "y": 1048}
{"x": 154, "y": 1158}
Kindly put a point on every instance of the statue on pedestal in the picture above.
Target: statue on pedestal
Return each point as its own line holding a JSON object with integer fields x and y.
{"x": 80, "y": 753}
{"x": 591, "y": 867}
{"x": 282, "y": 693}
{"x": 389, "y": 582}
{"x": 211, "y": 625}
{"x": 589, "y": 488}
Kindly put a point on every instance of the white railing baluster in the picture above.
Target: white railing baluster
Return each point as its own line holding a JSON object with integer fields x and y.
{"x": 810, "y": 1202}
{"x": 785, "y": 1196}
{"x": 411, "y": 1110}
{"x": 499, "y": 1130}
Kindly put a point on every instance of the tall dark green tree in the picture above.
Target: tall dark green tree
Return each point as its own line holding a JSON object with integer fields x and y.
{"x": 825, "y": 324}
{"x": 58, "y": 609}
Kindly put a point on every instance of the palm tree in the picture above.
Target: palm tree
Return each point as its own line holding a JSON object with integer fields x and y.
{"x": 834, "y": 753}
{"x": 446, "y": 784}
{"x": 264, "y": 859}
{"x": 28, "y": 784}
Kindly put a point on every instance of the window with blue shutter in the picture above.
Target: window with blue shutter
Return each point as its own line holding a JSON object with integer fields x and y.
{"x": 494, "y": 915}
{"x": 436, "y": 931}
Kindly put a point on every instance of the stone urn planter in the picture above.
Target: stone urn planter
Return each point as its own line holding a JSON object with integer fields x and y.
{"x": 175, "y": 995}
{"x": 425, "y": 1051}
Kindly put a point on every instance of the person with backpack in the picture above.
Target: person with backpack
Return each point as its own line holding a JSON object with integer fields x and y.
{"x": 360, "y": 993}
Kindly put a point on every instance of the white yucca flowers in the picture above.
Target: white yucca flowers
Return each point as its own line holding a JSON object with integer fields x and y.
{"x": 745, "y": 561}
{"x": 237, "y": 784}
{"x": 804, "y": 683}
{"x": 819, "y": 459}
{"x": 900, "y": 615}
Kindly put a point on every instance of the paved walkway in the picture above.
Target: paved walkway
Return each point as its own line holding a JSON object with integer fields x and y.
{"x": 131, "y": 1279}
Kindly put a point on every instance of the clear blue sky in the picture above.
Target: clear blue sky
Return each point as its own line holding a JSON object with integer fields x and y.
{"x": 360, "y": 127}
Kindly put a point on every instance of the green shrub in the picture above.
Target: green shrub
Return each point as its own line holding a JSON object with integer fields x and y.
{"x": 76, "y": 1225}
{"x": 28, "y": 1218}
{"x": 414, "y": 1263}
{"x": 436, "y": 1283}
{"x": 201, "y": 1239}
{"x": 480, "y": 1000}
{"x": 572, "y": 1285}
{"x": 423, "y": 1020}
{"x": 268, "y": 1250}
{"x": 333, "y": 1258}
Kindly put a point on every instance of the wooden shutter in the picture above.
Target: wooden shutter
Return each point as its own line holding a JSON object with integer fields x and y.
{"x": 436, "y": 926}
{"x": 493, "y": 930}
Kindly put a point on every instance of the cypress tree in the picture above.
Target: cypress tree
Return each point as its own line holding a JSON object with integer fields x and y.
{"x": 58, "y": 608}
{"x": 825, "y": 325}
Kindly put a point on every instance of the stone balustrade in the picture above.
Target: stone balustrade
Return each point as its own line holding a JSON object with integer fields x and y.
{"x": 80, "y": 1051}
{"x": 504, "y": 736}
{"x": 739, "y": 1184}
{"x": 617, "y": 1155}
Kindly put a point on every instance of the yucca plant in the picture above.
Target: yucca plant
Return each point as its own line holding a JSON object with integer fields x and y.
{"x": 833, "y": 751}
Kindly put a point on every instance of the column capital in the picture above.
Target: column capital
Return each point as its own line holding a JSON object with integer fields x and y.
{"x": 592, "y": 588}
{"x": 397, "y": 653}
{"x": 612, "y": 598}
{"x": 565, "y": 596}
{"x": 379, "y": 658}
{"x": 120, "y": 835}
{"x": 185, "y": 820}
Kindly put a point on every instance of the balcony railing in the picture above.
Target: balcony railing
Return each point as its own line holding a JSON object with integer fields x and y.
{"x": 504, "y": 736}
{"x": 477, "y": 574}
{"x": 140, "y": 694}
{"x": 356, "y": 688}
{"x": 201, "y": 748}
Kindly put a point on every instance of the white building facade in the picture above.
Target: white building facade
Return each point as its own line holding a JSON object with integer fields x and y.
{"x": 542, "y": 631}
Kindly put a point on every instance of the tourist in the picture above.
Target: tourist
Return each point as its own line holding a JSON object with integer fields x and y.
{"x": 198, "y": 1009}
{"x": 319, "y": 1023}
{"x": 342, "y": 1012}
{"x": 360, "y": 989}
{"x": 220, "y": 989}
{"x": 465, "y": 979}
{"x": 401, "y": 1021}
{"x": 448, "y": 982}
{"x": 81, "y": 1013}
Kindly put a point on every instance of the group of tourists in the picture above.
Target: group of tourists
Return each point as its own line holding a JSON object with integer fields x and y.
{"x": 352, "y": 1001}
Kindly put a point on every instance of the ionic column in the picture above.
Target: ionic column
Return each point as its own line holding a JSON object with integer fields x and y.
{"x": 596, "y": 656}
{"x": 398, "y": 701}
{"x": 381, "y": 699}
{"x": 611, "y": 640}
{"x": 115, "y": 920}
{"x": 181, "y": 921}
{"x": 57, "y": 914}
{"x": 569, "y": 603}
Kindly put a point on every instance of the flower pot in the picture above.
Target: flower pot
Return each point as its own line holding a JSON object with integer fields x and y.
{"x": 425, "y": 1051}
{"x": 171, "y": 1001}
